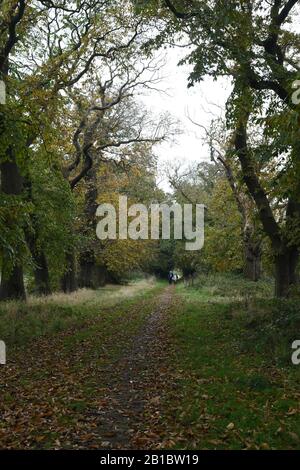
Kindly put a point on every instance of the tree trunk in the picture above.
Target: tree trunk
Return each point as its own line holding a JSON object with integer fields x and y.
{"x": 92, "y": 276}
{"x": 41, "y": 271}
{"x": 12, "y": 287}
{"x": 12, "y": 282}
{"x": 285, "y": 273}
{"x": 69, "y": 281}
{"x": 252, "y": 256}
{"x": 100, "y": 276}
{"x": 245, "y": 205}
{"x": 86, "y": 274}
{"x": 285, "y": 265}
{"x": 41, "y": 274}
{"x": 252, "y": 266}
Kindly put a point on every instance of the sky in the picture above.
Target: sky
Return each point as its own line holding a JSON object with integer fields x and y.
{"x": 202, "y": 103}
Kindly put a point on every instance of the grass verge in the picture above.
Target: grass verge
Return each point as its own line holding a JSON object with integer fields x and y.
{"x": 236, "y": 387}
{"x": 54, "y": 386}
{"x": 22, "y": 322}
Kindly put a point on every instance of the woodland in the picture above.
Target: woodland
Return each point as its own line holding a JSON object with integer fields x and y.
{"x": 76, "y": 133}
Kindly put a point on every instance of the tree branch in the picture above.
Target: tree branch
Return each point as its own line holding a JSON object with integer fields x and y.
{"x": 12, "y": 36}
{"x": 178, "y": 14}
{"x": 286, "y": 11}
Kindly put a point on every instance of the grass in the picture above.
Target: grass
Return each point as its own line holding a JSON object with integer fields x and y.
{"x": 238, "y": 388}
{"x": 21, "y": 322}
{"x": 232, "y": 386}
{"x": 54, "y": 383}
{"x": 229, "y": 287}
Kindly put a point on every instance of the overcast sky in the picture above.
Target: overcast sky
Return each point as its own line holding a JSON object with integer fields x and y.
{"x": 198, "y": 102}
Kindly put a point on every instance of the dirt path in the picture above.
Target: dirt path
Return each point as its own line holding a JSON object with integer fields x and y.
{"x": 93, "y": 386}
{"x": 135, "y": 383}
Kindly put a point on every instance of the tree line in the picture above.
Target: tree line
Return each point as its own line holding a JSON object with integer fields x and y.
{"x": 74, "y": 133}
{"x": 256, "y": 45}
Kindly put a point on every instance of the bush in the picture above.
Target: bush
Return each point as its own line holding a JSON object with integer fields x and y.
{"x": 235, "y": 285}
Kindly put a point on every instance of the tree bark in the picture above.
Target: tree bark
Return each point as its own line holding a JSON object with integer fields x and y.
{"x": 252, "y": 263}
{"x": 12, "y": 287}
{"x": 41, "y": 274}
{"x": 69, "y": 281}
{"x": 41, "y": 270}
{"x": 92, "y": 276}
{"x": 252, "y": 241}
{"x": 12, "y": 282}
{"x": 86, "y": 273}
{"x": 285, "y": 271}
{"x": 252, "y": 256}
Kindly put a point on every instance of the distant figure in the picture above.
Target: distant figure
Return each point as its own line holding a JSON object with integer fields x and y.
{"x": 174, "y": 278}
{"x": 170, "y": 277}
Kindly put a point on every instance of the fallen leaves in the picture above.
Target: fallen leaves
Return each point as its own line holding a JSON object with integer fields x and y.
{"x": 122, "y": 385}
{"x": 47, "y": 397}
{"x": 63, "y": 399}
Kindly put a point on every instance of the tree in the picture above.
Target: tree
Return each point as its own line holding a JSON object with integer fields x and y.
{"x": 248, "y": 42}
{"x": 46, "y": 48}
{"x": 206, "y": 183}
{"x": 12, "y": 284}
{"x": 111, "y": 130}
{"x": 221, "y": 153}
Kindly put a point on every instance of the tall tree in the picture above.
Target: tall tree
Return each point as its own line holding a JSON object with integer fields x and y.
{"x": 47, "y": 47}
{"x": 250, "y": 43}
{"x": 12, "y": 283}
{"x": 222, "y": 154}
